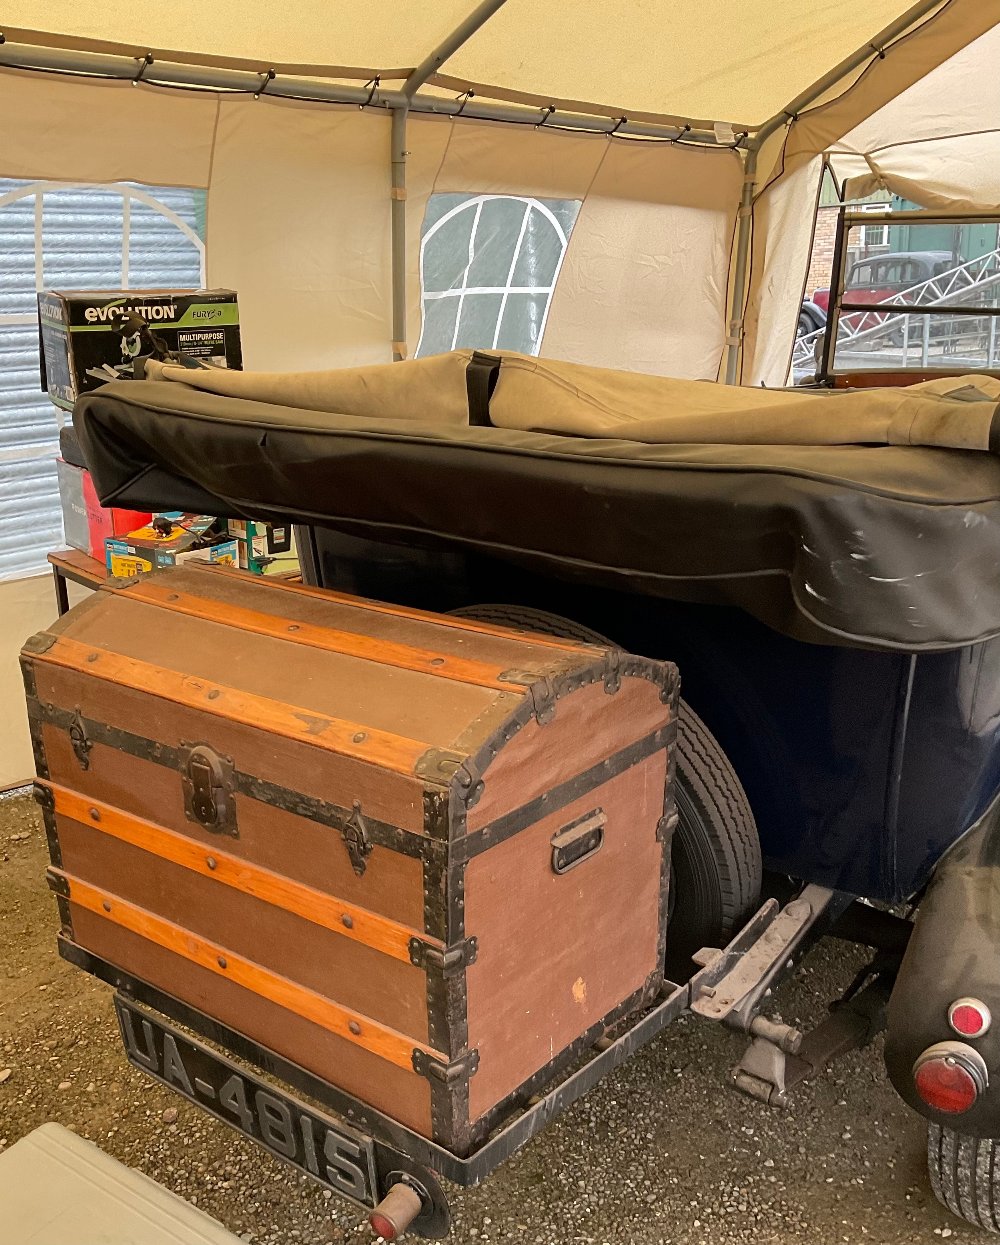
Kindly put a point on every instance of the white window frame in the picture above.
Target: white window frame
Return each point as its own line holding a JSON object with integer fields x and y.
{"x": 475, "y": 204}
{"x": 882, "y": 227}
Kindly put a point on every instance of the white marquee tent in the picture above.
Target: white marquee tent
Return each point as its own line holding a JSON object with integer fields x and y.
{"x": 690, "y": 139}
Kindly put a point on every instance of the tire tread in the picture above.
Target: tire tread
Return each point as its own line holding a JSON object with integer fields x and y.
{"x": 963, "y": 1175}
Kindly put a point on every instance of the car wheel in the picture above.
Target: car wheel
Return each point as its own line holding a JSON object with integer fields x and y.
{"x": 965, "y": 1175}
{"x": 715, "y": 858}
{"x": 805, "y": 325}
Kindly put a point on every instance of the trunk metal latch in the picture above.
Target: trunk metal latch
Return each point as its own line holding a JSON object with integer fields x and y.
{"x": 79, "y": 741}
{"x": 208, "y": 780}
{"x": 356, "y": 840}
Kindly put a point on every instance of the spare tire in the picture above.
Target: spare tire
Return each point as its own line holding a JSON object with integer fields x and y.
{"x": 715, "y": 859}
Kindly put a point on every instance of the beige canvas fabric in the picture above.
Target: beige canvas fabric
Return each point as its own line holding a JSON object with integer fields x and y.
{"x": 298, "y": 225}
{"x": 431, "y": 389}
{"x": 536, "y": 394}
{"x": 939, "y": 157}
{"x": 94, "y": 131}
{"x": 703, "y": 59}
{"x": 544, "y": 395}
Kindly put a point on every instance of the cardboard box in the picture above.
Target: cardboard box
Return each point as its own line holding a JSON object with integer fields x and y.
{"x": 264, "y": 548}
{"x": 190, "y": 536}
{"x": 74, "y": 507}
{"x": 83, "y": 342}
{"x": 104, "y": 522}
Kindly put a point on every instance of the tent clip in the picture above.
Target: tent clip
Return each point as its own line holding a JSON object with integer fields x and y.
{"x": 879, "y": 52}
{"x": 372, "y": 86}
{"x": 265, "y": 80}
{"x": 548, "y": 113}
{"x": 144, "y": 64}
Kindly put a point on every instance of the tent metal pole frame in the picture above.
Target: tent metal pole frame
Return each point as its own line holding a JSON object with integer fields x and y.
{"x": 122, "y": 68}
{"x": 427, "y": 67}
{"x": 787, "y": 117}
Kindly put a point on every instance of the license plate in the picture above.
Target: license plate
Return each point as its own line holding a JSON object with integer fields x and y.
{"x": 334, "y": 1154}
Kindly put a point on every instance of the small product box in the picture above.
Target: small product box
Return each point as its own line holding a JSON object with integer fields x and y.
{"x": 87, "y": 338}
{"x": 168, "y": 541}
{"x": 264, "y": 548}
{"x": 72, "y": 483}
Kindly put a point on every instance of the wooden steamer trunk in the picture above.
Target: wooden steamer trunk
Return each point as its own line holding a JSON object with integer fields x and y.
{"x": 425, "y": 859}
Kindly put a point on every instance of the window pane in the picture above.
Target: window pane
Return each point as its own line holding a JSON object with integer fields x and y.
{"x": 541, "y": 250}
{"x": 27, "y": 418}
{"x": 17, "y": 268}
{"x": 446, "y": 254}
{"x": 439, "y": 325}
{"x": 489, "y": 245}
{"x": 478, "y": 320}
{"x": 159, "y": 253}
{"x": 521, "y": 326}
{"x": 497, "y": 236}
{"x": 82, "y": 239}
{"x": 891, "y": 339}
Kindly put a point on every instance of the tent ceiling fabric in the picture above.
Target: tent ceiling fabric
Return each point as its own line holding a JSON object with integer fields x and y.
{"x": 706, "y": 59}
{"x": 938, "y": 157}
{"x": 712, "y": 60}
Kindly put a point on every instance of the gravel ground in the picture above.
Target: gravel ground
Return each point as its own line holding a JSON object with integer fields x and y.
{"x": 661, "y": 1153}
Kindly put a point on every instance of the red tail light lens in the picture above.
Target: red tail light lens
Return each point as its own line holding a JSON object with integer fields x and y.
{"x": 396, "y": 1211}
{"x": 382, "y": 1227}
{"x": 950, "y": 1076}
{"x": 969, "y": 1017}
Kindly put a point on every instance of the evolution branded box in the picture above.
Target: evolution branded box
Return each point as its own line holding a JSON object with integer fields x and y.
{"x": 92, "y": 336}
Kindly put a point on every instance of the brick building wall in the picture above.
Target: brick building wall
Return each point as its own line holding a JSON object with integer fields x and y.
{"x": 821, "y": 260}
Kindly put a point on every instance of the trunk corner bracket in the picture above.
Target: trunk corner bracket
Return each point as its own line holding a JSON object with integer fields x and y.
{"x": 458, "y": 1070}
{"x": 447, "y": 961}
{"x": 540, "y": 688}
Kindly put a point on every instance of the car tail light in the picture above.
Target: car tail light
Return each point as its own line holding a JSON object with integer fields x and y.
{"x": 950, "y": 1076}
{"x": 969, "y": 1017}
{"x": 396, "y": 1211}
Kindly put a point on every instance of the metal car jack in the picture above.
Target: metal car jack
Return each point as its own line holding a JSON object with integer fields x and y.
{"x": 780, "y": 1056}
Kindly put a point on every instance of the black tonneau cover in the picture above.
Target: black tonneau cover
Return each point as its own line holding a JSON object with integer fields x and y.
{"x": 886, "y": 547}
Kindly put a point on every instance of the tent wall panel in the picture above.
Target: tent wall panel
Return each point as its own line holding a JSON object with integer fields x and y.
{"x": 89, "y": 130}
{"x": 298, "y": 225}
{"x": 643, "y": 282}
{"x": 643, "y": 285}
{"x": 784, "y": 220}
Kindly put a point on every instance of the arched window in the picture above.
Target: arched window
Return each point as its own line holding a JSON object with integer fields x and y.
{"x": 488, "y": 267}
{"x": 54, "y": 235}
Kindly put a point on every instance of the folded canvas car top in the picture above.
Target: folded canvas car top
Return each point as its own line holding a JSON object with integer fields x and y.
{"x": 883, "y": 546}
{"x": 511, "y": 390}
